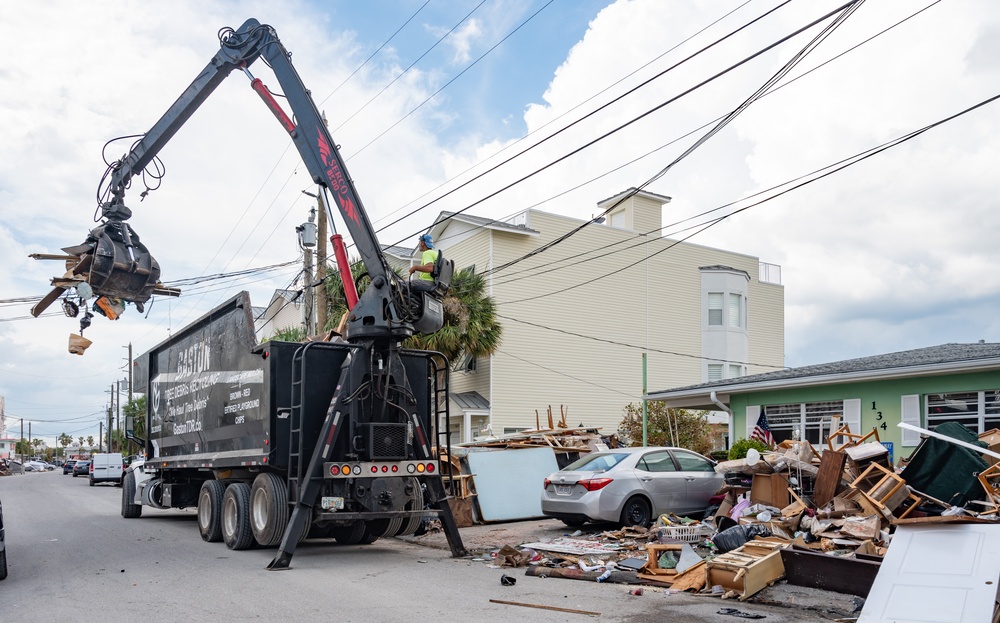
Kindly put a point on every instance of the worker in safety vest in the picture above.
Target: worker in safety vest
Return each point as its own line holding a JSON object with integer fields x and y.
{"x": 428, "y": 255}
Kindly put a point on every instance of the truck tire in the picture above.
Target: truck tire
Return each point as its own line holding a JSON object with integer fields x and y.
{"x": 416, "y": 503}
{"x": 130, "y": 510}
{"x": 268, "y": 509}
{"x": 210, "y": 510}
{"x": 3, "y": 564}
{"x": 236, "y": 531}
{"x": 349, "y": 535}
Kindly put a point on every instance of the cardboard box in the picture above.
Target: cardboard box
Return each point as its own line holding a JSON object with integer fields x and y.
{"x": 770, "y": 489}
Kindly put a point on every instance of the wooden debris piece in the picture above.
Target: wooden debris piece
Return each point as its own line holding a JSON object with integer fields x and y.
{"x": 544, "y": 607}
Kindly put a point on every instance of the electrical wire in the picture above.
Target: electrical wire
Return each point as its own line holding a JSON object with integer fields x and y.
{"x": 636, "y": 347}
{"x": 590, "y": 114}
{"x": 380, "y": 48}
{"x": 393, "y": 81}
{"x": 453, "y": 79}
{"x": 839, "y": 166}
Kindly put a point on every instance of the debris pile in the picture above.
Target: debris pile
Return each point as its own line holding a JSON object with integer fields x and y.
{"x": 815, "y": 519}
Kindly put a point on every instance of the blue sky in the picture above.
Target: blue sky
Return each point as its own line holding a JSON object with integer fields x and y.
{"x": 894, "y": 253}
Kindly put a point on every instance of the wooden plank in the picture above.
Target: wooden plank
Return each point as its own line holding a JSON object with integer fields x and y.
{"x": 544, "y": 607}
{"x": 831, "y": 468}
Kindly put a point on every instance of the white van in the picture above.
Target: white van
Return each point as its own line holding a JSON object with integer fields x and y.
{"x": 106, "y": 467}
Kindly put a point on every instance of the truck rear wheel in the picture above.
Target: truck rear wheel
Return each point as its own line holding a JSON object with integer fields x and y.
{"x": 349, "y": 535}
{"x": 129, "y": 509}
{"x": 236, "y": 530}
{"x": 268, "y": 509}
{"x": 210, "y": 510}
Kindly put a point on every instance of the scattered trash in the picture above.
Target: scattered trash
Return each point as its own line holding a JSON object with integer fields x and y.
{"x": 636, "y": 591}
{"x": 506, "y": 580}
{"x": 739, "y": 613}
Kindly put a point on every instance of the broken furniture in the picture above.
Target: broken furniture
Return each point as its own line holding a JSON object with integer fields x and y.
{"x": 944, "y": 470}
{"x": 882, "y": 486}
{"x": 853, "y": 439}
{"x": 747, "y": 569}
{"x": 804, "y": 567}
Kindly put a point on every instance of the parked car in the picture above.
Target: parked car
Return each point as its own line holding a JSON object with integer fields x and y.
{"x": 68, "y": 466}
{"x": 106, "y": 467}
{"x": 631, "y": 486}
{"x": 3, "y": 548}
{"x": 82, "y": 468}
{"x": 38, "y": 466}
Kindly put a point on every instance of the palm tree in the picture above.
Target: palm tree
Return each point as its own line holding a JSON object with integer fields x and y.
{"x": 471, "y": 328}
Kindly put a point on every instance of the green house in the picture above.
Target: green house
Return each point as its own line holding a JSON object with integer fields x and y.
{"x": 923, "y": 387}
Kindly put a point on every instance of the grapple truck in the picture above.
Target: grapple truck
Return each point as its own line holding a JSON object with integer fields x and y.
{"x": 276, "y": 442}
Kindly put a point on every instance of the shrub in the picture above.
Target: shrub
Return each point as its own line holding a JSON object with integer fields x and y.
{"x": 739, "y": 449}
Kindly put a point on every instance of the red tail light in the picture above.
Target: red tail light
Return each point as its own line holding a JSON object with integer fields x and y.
{"x": 595, "y": 484}
{"x": 546, "y": 483}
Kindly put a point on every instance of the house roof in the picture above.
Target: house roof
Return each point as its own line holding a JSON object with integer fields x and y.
{"x": 639, "y": 193}
{"x": 929, "y": 361}
{"x": 398, "y": 251}
{"x": 471, "y": 401}
{"x": 488, "y": 223}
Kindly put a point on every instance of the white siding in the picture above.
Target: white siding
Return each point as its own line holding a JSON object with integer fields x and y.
{"x": 594, "y": 301}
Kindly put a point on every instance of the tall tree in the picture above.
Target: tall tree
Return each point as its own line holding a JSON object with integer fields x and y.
{"x": 136, "y": 409}
{"x": 90, "y": 441}
{"x": 65, "y": 440}
{"x": 666, "y": 427}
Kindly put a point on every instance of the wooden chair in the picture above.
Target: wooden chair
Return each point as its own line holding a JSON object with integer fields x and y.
{"x": 852, "y": 438}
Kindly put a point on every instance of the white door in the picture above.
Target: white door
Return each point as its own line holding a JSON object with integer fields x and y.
{"x": 937, "y": 574}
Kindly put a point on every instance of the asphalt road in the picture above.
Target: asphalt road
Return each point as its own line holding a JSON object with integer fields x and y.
{"x": 72, "y": 556}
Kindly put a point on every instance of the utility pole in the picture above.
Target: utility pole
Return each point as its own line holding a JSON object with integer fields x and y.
{"x": 321, "y": 261}
{"x": 30, "y": 446}
{"x": 111, "y": 414}
{"x": 22, "y": 441}
{"x": 307, "y": 240}
{"x": 130, "y": 371}
{"x": 100, "y": 437}
{"x": 321, "y": 300}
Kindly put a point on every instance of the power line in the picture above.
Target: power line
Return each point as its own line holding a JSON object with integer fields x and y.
{"x": 636, "y": 347}
{"x": 843, "y": 164}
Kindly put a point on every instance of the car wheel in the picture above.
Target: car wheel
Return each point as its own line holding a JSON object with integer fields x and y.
{"x": 91, "y": 482}
{"x": 236, "y": 530}
{"x": 210, "y": 510}
{"x": 3, "y": 564}
{"x": 268, "y": 509}
{"x": 130, "y": 510}
{"x": 574, "y": 523}
{"x": 636, "y": 512}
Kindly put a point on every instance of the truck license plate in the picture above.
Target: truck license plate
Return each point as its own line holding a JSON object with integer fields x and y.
{"x": 564, "y": 489}
{"x": 335, "y": 504}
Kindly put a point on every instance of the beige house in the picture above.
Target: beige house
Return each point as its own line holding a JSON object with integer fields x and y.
{"x": 284, "y": 311}
{"x": 579, "y": 316}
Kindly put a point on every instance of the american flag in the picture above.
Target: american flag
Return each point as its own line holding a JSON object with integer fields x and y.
{"x": 762, "y": 432}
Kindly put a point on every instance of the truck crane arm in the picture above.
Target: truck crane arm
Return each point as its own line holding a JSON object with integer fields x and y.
{"x": 388, "y": 307}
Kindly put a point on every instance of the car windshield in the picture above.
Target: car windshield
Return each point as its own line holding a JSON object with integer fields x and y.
{"x": 596, "y": 462}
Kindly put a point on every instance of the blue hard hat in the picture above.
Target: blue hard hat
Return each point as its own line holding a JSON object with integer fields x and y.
{"x": 427, "y": 240}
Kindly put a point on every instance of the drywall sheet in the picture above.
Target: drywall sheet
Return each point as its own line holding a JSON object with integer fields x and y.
{"x": 509, "y": 482}
{"x": 937, "y": 574}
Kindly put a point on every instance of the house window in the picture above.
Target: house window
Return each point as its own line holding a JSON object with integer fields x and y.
{"x": 618, "y": 219}
{"x": 814, "y": 420}
{"x": 735, "y": 371}
{"x": 977, "y": 411}
{"x": 512, "y": 430}
{"x": 715, "y": 372}
{"x": 735, "y": 315}
{"x": 715, "y": 309}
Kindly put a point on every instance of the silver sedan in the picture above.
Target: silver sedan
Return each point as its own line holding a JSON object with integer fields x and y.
{"x": 631, "y": 486}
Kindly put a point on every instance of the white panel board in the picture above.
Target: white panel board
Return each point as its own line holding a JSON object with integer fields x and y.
{"x": 937, "y": 574}
{"x": 509, "y": 482}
